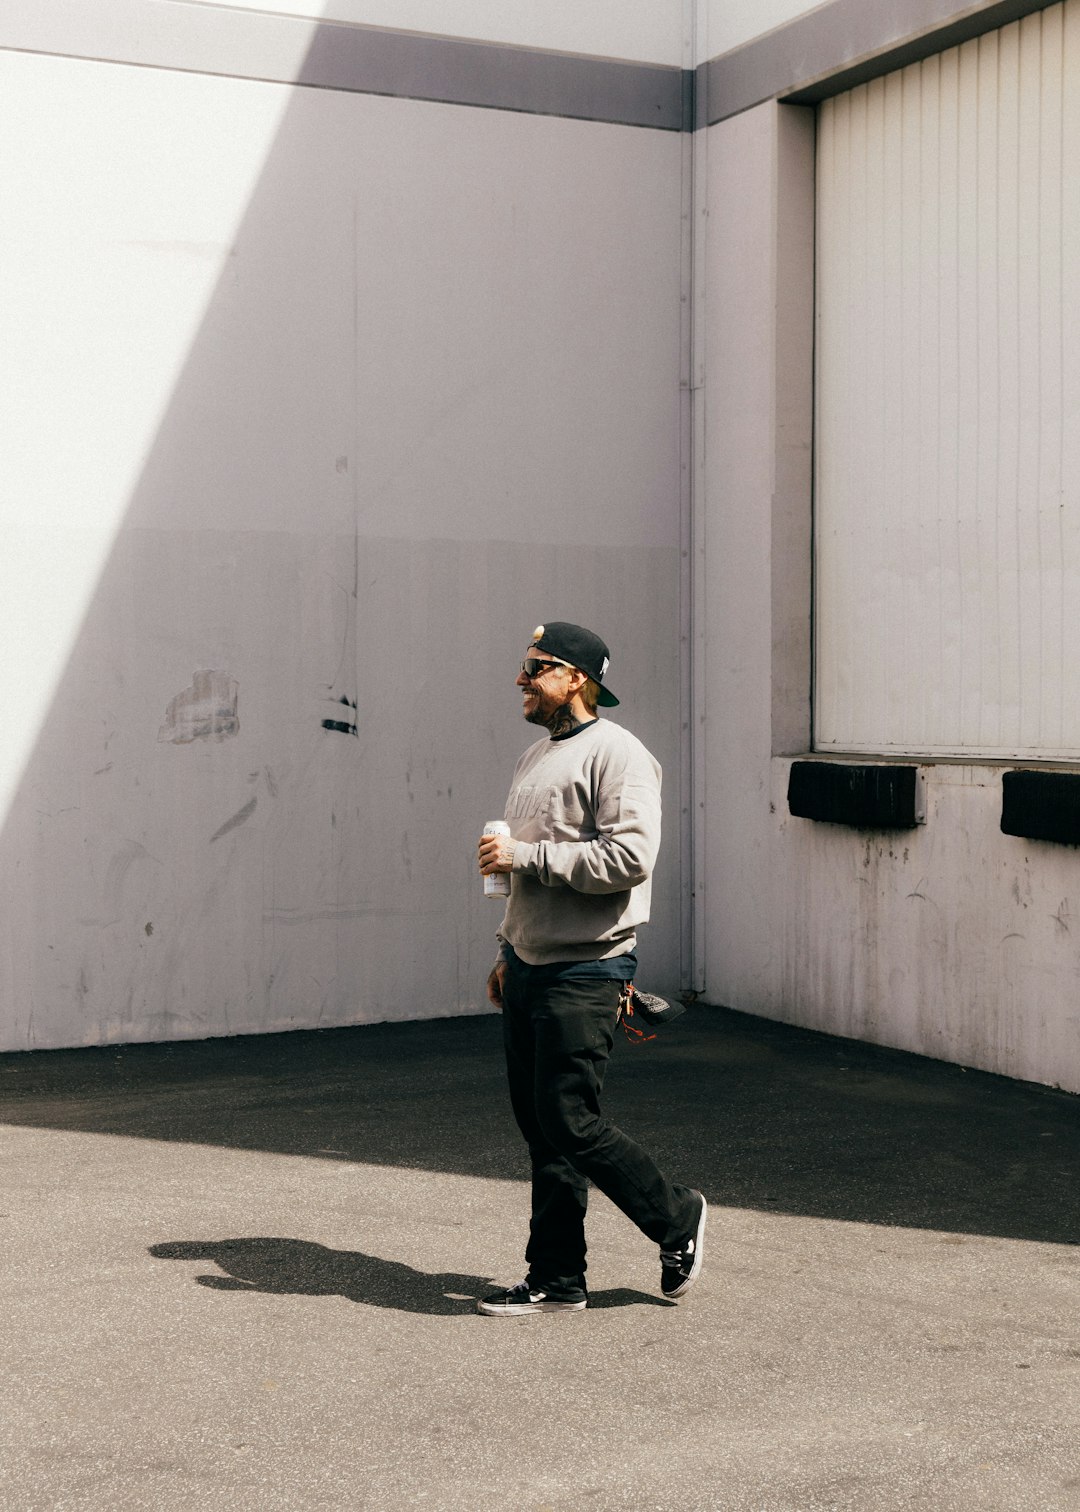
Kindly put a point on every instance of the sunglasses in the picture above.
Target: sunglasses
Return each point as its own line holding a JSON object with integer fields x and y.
{"x": 533, "y": 667}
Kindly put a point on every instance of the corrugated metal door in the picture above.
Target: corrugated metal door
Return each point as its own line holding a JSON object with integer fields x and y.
{"x": 947, "y": 508}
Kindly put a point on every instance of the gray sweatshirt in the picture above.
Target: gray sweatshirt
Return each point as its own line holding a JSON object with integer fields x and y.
{"x": 584, "y": 811}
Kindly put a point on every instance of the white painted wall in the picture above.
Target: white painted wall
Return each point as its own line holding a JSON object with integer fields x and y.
{"x": 312, "y": 397}
{"x": 335, "y": 397}
{"x": 641, "y": 31}
{"x": 731, "y": 23}
{"x": 951, "y": 940}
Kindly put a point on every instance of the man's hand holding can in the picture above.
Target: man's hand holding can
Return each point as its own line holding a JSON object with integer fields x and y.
{"x": 495, "y": 857}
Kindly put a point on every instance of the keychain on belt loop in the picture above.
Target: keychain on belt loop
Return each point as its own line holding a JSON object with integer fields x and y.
{"x": 635, "y": 1035}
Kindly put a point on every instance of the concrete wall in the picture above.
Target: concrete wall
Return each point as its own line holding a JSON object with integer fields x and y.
{"x": 318, "y": 396}
{"x": 316, "y": 402}
{"x": 951, "y": 940}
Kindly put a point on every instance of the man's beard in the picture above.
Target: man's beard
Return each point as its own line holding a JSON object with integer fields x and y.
{"x": 559, "y": 721}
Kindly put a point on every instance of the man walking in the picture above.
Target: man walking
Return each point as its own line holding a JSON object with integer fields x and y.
{"x": 584, "y": 819}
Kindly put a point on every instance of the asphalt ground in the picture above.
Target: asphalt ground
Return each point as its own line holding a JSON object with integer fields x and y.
{"x": 241, "y": 1274}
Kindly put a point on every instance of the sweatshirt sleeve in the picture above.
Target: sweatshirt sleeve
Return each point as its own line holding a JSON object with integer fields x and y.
{"x": 623, "y": 851}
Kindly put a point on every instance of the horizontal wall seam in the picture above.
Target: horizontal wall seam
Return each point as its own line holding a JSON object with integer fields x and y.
{"x": 353, "y": 59}
{"x": 822, "y": 53}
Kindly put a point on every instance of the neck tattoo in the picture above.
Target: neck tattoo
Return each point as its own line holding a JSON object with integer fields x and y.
{"x": 563, "y": 721}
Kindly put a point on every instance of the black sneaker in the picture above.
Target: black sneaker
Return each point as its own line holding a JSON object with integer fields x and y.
{"x": 679, "y": 1268}
{"x": 522, "y": 1300}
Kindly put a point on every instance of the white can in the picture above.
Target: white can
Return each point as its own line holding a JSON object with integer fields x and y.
{"x": 497, "y": 885}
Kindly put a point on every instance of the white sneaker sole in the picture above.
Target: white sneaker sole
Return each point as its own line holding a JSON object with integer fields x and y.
{"x": 527, "y": 1309}
{"x": 699, "y": 1254}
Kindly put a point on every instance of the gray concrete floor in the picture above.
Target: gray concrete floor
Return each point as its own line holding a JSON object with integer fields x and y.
{"x": 241, "y": 1274}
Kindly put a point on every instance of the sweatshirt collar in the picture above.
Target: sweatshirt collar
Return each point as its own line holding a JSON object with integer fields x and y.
{"x": 569, "y": 734}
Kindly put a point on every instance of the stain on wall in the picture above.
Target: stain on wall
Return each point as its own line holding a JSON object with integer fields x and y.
{"x": 205, "y": 711}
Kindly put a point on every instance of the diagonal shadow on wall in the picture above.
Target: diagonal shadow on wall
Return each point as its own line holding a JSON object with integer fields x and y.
{"x": 316, "y": 387}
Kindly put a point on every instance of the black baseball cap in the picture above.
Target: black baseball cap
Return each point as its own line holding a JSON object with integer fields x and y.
{"x": 581, "y": 648}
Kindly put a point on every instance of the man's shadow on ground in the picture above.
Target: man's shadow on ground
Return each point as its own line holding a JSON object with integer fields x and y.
{"x": 298, "y": 1267}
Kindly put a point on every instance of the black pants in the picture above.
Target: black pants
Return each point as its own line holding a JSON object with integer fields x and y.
{"x": 558, "y": 1033}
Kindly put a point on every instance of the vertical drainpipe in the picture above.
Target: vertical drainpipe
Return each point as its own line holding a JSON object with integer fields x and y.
{"x": 691, "y": 534}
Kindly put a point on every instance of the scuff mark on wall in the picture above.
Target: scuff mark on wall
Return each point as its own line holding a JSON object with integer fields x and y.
{"x": 205, "y": 711}
{"x": 128, "y": 853}
{"x": 237, "y": 819}
{"x": 207, "y": 251}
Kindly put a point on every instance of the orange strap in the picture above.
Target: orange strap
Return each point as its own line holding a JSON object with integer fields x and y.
{"x": 635, "y": 1035}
